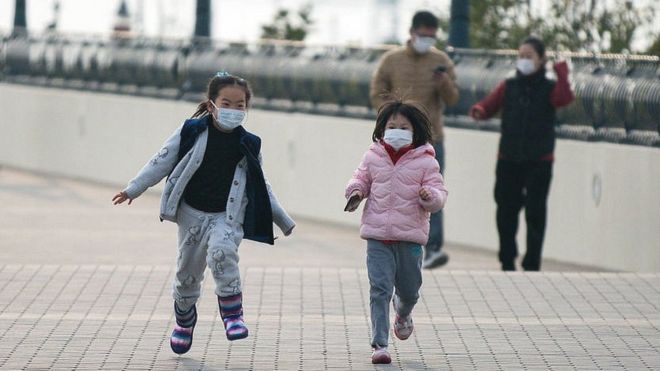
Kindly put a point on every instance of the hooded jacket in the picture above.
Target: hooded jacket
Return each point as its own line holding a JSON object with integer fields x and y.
{"x": 394, "y": 211}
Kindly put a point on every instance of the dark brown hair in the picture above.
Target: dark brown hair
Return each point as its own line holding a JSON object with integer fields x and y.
{"x": 414, "y": 112}
{"x": 424, "y": 19}
{"x": 217, "y": 83}
{"x": 536, "y": 44}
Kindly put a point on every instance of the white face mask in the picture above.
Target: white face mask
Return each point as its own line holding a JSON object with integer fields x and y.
{"x": 422, "y": 44}
{"x": 525, "y": 66}
{"x": 229, "y": 119}
{"x": 398, "y": 138}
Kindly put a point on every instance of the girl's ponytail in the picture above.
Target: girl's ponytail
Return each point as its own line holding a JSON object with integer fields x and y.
{"x": 201, "y": 110}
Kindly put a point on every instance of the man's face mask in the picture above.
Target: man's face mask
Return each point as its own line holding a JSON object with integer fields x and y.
{"x": 228, "y": 118}
{"x": 422, "y": 44}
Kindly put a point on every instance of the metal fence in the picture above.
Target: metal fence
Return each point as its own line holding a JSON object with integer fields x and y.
{"x": 618, "y": 96}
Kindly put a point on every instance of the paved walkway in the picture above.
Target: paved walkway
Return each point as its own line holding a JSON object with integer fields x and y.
{"x": 84, "y": 285}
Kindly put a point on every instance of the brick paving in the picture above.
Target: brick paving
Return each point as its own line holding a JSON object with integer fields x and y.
{"x": 84, "y": 285}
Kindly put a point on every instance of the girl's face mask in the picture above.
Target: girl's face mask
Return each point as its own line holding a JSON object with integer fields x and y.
{"x": 398, "y": 138}
{"x": 228, "y": 118}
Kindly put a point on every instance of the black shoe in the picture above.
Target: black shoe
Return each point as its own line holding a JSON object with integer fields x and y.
{"x": 435, "y": 259}
{"x": 506, "y": 267}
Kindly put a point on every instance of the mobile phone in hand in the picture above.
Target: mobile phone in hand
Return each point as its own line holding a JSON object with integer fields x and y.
{"x": 353, "y": 203}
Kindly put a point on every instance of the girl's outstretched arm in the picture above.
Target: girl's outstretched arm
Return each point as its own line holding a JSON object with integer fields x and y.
{"x": 120, "y": 198}
{"x": 158, "y": 167}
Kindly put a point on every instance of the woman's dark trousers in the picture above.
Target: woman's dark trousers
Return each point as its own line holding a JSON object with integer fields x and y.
{"x": 518, "y": 185}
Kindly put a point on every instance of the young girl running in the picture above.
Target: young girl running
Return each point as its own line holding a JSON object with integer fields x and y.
{"x": 400, "y": 178}
{"x": 217, "y": 194}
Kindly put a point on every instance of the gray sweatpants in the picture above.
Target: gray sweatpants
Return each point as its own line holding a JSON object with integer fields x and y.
{"x": 205, "y": 239}
{"x": 392, "y": 266}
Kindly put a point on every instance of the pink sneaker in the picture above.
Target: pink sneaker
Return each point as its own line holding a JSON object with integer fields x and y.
{"x": 381, "y": 356}
{"x": 403, "y": 327}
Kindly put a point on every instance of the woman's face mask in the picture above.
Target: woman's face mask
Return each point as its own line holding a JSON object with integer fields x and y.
{"x": 398, "y": 138}
{"x": 228, "y": 118}
{"x": 529, "y": 60}
{"x": 526, "y": 66}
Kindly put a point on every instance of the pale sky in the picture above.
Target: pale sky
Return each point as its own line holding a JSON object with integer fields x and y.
{"x": 356, "y": 22}
{"x": 336, "y": 21}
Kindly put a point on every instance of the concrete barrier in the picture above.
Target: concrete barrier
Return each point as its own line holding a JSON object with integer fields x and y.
{"x": 604, "y": 207}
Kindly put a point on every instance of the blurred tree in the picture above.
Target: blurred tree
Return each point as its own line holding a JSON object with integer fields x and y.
{"x": 52, "y": 26}
{"x": 654, "y": 49}
{"x": 577, "y": 25}
{"x": 283, "y": 28}
{"x": 593, "y": 25}
{"x": 499, "y": 24}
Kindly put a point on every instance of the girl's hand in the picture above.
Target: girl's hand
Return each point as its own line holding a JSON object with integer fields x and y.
{"x": 120, "y": 198}
{"x": 424, "y": 194}
{"x": 353, "y": 202}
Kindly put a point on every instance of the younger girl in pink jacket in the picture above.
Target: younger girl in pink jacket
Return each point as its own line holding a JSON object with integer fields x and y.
{"x": 400, "y": 178}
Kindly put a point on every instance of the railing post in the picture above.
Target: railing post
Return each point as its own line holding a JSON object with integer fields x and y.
{"x": 20, "y": 19}
{"x": 459, "y": 24}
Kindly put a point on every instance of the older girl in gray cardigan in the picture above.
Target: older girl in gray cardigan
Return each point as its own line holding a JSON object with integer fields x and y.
{"x": 217, "y": 194}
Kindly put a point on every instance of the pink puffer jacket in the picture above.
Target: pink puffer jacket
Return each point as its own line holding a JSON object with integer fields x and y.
{"x": 394, "y": 210}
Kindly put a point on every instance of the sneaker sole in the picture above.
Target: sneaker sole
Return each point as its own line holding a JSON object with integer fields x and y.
{"x": 382, "y": 360}
{"x": 181, "y": 351}
{"x": 191, "y": 339}
{"x": 438, "y": 263}
{"x": 237, "y": 336}
{"x": 400, "y": 337}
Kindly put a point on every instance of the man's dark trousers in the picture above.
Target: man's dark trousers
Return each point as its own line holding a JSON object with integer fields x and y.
{"x": 436, "y": 232}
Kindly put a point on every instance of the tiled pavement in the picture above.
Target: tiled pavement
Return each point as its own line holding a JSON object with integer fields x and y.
{"x": 84, "y": 285}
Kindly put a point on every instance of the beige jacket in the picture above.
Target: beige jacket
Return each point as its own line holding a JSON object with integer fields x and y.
{"x": 408, "y": 75}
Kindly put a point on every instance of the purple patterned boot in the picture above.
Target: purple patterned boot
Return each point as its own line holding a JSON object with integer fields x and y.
{"x": 182, "y": 336}
{"x": 231, "y": 311}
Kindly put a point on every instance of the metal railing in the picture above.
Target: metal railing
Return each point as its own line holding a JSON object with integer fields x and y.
{"x": 617, "y": 96}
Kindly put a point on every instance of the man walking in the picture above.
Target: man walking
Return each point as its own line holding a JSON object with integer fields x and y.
{"x": 420, "y": 72}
